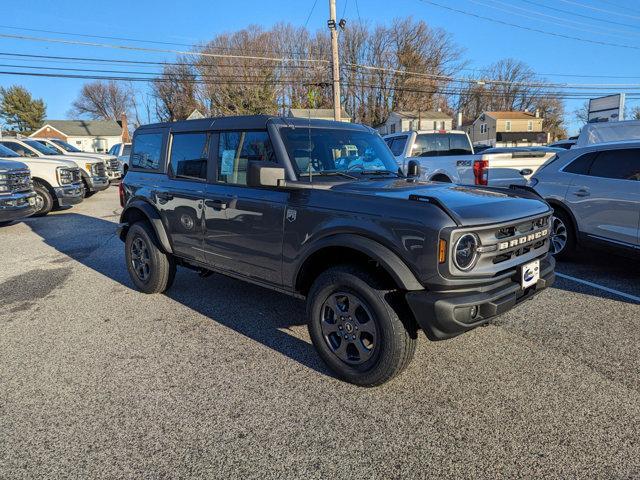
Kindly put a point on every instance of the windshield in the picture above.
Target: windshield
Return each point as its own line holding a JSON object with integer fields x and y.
{"x": 67, "y": 147}
{"x": 325, "y": 151}
{"x": 441, "y": 145}
{"x": 41, "y": 148}
{"x": 7, "y": 152}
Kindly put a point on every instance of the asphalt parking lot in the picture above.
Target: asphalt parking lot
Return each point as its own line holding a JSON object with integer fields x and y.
{"x": 218, "y": 378}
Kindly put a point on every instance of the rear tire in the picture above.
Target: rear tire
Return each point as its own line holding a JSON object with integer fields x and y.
{"x": 348, "y": 302}
{"x": 150, "y": 269}
{"x": 563, "y": 237}
{"x": 44, "y": 199}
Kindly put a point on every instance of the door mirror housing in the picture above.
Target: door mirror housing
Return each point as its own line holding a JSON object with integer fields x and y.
{"x": 413, "y": 169}
{"x": 264, "y": 174}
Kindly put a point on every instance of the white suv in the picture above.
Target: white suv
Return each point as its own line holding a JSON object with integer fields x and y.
{"x": 595, "y": 193}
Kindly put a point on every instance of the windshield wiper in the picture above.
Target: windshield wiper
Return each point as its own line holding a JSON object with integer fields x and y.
{"x": 378, "y": 172}
{"x": 329, "y": 174}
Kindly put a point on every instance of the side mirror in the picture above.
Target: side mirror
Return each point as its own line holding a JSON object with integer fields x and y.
{"x": 413, "y": 169}
{"x": 264, "y": 174}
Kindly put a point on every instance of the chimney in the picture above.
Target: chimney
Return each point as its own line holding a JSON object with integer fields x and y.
{"x": 459, "y": 120}
{"x": 537, "y": 113}
{"x": 125, "y": 128}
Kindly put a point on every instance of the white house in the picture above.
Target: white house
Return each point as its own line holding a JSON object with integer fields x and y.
{"x": 87, "y": 135}
{"x": 407, "y": 121}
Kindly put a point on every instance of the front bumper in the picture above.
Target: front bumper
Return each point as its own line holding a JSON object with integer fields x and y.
{"x": 114, "y": 174}
{"x": 69, "y": 194}
{"x": 97, "y": 184}
{"x": 445, "y": 314}
{"x": 17, "y": 206}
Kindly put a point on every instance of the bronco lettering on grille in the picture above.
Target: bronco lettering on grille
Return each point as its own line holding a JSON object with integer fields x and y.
{"x": 516, "y": 242}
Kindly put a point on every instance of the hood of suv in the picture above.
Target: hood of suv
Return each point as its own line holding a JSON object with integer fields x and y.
{"x": 472, "y": 205}
{"x": 8, "y": 165}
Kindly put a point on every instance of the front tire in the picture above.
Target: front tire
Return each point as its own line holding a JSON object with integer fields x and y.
{"x": 150, "y": 269}
{"x": 44, "y": 199}
{"x": 356, "y": 327}
{"x": 563, "y": 238}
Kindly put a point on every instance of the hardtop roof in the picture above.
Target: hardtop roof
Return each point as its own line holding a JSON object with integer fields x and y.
{"x": 250, "y": 122}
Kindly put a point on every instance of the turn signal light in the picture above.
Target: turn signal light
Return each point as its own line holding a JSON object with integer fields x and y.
{"x": 442, "y": 251}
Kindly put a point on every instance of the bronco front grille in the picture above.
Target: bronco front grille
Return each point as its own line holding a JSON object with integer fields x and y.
{"x": 505, "y": 246}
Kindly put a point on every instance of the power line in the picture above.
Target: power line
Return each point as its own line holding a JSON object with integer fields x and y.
{"x": 577, "y": 14}
{"x": 530, "y": 29}
{"x": 157, "y": 50}
{"x": 604, "y": 10}
{"x": 313, "y": 7}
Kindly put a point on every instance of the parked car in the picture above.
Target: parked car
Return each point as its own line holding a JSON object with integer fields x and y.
{"x": 122, "y": 152}
{"x": 17, "y": 198}
{"x": 434, "y": 155}
{"x": 448, "y": 156}
{"x": 595, "y": 194}
{"x": 111, "y": 163}
{"x": 318, "y": 210}
{"x": 94, "y": 177}
{"x": 56, "y": 183}
{"x": 606, "y": 132}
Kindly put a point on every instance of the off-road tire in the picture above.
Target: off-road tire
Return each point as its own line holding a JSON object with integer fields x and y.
{"x": 396, "y": 329}
{"x": 569, "y": 250}
{"x": 86, "y": 192}
{"x": 162, "y": 267}
{"x": 43, "y": 195}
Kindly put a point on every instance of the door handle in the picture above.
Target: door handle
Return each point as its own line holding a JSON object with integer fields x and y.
{"x": 583, "y": 192}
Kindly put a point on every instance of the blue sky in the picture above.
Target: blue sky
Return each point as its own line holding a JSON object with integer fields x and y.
{"x": 483, "y": 42}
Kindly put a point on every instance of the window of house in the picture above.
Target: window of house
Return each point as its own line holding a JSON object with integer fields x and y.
{"x": 147, "y": 151}
{"x": 623, "y": 164}
{"x": 236, "y": 149}
{"x": 393, "y": 128}
{"x": 189, "y": 153}
{"x": 507, "y": 126}
{"x": 529, "y": 126}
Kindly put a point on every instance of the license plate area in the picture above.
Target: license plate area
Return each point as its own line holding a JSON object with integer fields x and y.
{"x": 529, "y": 274}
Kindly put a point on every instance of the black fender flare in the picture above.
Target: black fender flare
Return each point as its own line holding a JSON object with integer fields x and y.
{"x": 388, "y": 260}
{"x": 557, "y": 203}
{"x": 153, "y": 218}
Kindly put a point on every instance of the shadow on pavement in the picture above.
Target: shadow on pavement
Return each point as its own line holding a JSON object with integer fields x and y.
{"x": 256, "y": 312}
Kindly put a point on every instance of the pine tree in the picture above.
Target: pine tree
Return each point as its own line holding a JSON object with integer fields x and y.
{"x": 20, "y": 110}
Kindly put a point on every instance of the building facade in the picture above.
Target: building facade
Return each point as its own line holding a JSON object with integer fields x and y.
{"x": 96, "y": 136}
{"x": 507, "y": 129}
{"x": 318, "y": 114}
{"x": 408, "y": 121}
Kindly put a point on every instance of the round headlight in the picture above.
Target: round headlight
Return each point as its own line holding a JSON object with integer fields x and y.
{"x": 466, "y": 251}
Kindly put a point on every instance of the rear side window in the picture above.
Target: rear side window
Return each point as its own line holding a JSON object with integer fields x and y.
{"x": 397, "y": 145}
{"x": 582, "y": 164}
{"x": 236, "y": 149}
{"x": 147, "y": 151}
{"x": 126, "y": 150}
{"x": 619, "y": 164}
{"x": 189, "y": 152}
{"x": 459, "y": 145}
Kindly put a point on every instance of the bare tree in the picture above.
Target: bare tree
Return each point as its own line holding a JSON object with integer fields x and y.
{"x": 105, "y": 100}
{"x": 176, "y": 92}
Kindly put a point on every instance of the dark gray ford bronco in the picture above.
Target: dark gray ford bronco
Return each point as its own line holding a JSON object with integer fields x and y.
{"x": 318, "y": 210}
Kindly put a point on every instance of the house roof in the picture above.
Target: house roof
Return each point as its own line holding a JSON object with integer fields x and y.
{"x": 425, "y": 115}
{"x": 86, "y": 128}
{"x": 511, "y": 115}
{"x": 315, "y": 113}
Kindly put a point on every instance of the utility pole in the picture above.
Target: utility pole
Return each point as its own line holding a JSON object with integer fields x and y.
{"x": 333, "y": 26}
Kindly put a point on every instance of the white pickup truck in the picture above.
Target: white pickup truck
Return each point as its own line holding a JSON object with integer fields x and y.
{"x": 56, "y": 183}
{"x": 448, "y": 156}
{"x": 111, "y": 162}
{"x": 92, "y": 170}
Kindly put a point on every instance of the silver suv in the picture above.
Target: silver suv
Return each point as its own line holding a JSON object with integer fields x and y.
{"x": 595, "y": 193}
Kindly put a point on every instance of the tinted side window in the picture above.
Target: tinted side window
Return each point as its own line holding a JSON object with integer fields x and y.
{"x": 126, "y": 150}
{"x": 581, "y": 164}
{"x": 459, "y": 145}
{"x": 147, "y": 151}
{"x": 237, "y": 149}
{"x": 189, "y": 152}
{"x": 619, "y": 164}
{"x": 429, "y": 145}
{"x": 397, "y": 145}
{"x": 19, "y": 149}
